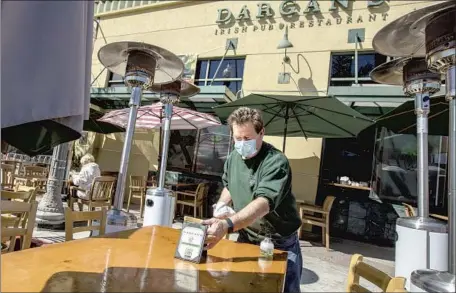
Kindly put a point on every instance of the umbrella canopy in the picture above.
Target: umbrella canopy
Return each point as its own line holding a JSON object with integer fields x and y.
{"x": 402, "y": 120}
{"x": 46, "y": 64}
{"x": 152, "y": 117}
{"x": 324, "y": 117}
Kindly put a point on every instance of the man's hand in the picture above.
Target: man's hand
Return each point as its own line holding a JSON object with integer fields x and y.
{"x": 216, "y": 231}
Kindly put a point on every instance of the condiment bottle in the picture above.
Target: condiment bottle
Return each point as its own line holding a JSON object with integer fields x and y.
{"x": 267, "y": 248}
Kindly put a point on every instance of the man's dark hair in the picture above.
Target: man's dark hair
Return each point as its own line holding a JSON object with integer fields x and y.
{"x": 245, "y": 115}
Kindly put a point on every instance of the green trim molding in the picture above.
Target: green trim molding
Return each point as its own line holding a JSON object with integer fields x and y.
{"x": 372, "y": 100}
{"x": 118, "y": 98}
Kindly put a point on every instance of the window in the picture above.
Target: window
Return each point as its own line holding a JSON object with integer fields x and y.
{"x": 115, "y": 80}
{"x": 213, "y": 148}
{"x": 230, "y": 73}
{"x": 343, "y": 67}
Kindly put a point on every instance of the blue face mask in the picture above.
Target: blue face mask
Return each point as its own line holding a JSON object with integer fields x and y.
{"x": 246, "y": 148}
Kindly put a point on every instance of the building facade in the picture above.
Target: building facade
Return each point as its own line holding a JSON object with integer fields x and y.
{"x": 331, "y": 55}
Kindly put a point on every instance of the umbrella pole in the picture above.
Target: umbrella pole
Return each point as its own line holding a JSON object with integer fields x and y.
{"x": 285, "y": 130}
{"x": 451, "y": 97}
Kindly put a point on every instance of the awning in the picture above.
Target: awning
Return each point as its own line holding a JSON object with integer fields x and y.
{"x": 118, "y": 98}
{"x": 373, "y": 100}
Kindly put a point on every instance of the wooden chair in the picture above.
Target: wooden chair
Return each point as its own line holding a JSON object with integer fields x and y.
{"x": 358, "y": 269}
{"x": 99, "y": 194}
{"x": 12, "y": 229}
{"x": 409, "y": 210}
{"x": 321, "y": 221}
{"x": 137, "y": 190}
{"x": 90, "y": 216}
{"x": 198, "y": 198}
{"x": 35, "y": 171}
{"x": 8, "y": 175}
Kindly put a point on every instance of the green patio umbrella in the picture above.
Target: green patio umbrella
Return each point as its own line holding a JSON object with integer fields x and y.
{"x": 38, "y": 137}
{"x": 294, "y": 116}
{"x": 402, "y": 120}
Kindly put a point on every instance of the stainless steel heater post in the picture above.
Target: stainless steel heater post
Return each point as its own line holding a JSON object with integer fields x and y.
{"x": 440, "y": 34}
{"x": 421, "y": 241}
{"x": 431, "y": 32}
{"x": 141, "y": 65}
{"x": 161, "y": 202}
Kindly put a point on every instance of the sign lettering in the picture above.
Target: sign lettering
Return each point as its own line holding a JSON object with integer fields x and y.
{"x": 287, "y": 8}
{"x": 290, "y": 10}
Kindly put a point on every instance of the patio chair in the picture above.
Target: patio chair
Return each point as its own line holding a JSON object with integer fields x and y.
{"x": 90, "y": 216}
{"x": 198, "y": 199}
{"x": 320, "y": 221}
{"x": 7, "y": 176}
{"x": 358, "y": 269}
{"x": 99, "y": 194}
{"x": 11, "y": 229}
{"x": 137, "y": 190}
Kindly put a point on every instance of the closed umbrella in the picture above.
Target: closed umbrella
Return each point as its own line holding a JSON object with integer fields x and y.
{"x": 46, "y": 62}
{"x": 402, "y": 120}
{"x": 151, "y": 116}
{"x": 324, "y": 117}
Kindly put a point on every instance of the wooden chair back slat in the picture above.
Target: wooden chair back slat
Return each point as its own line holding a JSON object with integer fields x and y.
{"x": 327, "y": 204}
{"x": 101, "y": 189}
{"x": 28, "y": 212}
{"x": 7, "y": 175}
{"x": 201, "y": 191}
{"x": 90, "y": 216}
{"x": 35, "y": 171}
{"x": 359, "y": 269}
{"x": 25, "y": 196}
{"x": 138, "y": 181}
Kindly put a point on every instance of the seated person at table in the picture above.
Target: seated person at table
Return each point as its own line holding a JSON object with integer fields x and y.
{"x": 88, "y": 172}
{"x": 257, "y": 180}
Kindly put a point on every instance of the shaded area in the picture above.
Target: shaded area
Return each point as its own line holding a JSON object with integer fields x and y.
{"x": 185, "y": 278}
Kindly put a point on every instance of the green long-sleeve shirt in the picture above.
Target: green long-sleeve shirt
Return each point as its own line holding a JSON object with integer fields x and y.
{"x": 268, "y": 175}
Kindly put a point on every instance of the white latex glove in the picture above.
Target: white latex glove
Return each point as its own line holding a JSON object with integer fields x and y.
{"x": 221, "y": 210}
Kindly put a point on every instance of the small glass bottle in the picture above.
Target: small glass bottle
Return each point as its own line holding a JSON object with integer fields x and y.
{"x": 267, "y": 248}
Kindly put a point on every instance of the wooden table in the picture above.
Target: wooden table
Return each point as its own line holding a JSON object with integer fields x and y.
{"x": 349, "y": 186}
{"x": 140, "y": 260}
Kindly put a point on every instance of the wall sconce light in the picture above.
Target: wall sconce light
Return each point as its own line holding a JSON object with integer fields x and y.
{"x": 285, "y": 44}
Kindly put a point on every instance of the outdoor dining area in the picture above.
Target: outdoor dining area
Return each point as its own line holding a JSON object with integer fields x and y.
{"x": 127, "y": 252}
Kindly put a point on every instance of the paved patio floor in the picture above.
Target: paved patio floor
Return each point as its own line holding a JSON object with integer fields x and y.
{"x": 324, "y": 271}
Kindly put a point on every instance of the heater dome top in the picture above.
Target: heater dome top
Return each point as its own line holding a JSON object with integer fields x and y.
{"x": 167, "y": 66}
{"x": 406, "y": 35}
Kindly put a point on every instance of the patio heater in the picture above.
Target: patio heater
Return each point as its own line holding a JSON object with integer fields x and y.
{"x": 160, "y": 202}
{"x": 422, "y": 242}
{"x": 141, "y": 65}
{"x": 431, "y": 32}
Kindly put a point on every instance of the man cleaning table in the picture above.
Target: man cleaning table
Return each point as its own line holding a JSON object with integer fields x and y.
{"x": 257, "y": 181}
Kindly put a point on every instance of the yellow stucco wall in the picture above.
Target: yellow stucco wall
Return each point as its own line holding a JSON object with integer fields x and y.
{"x": 190, "y": 28}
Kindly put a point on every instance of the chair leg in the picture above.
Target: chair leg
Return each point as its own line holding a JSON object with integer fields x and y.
{"x": 71, "y": 202}
{"x": 141, "y": 208}
{"x": 323, "y": 239}
{"x": 80, "y": 205}
{"x": 129, "y": 201}
{"x": 194, "y": 211}
{"x": 327, "y": 237}
{"x": 301, "y": 212}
